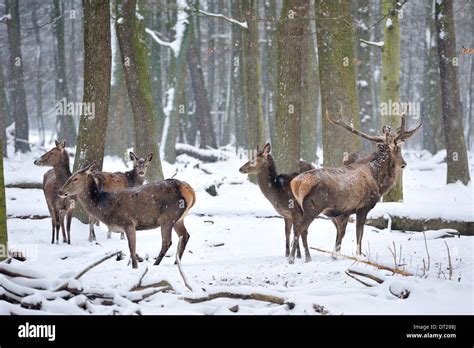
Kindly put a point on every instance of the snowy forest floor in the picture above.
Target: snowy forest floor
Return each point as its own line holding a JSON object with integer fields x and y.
{"x": 237, "y": 245}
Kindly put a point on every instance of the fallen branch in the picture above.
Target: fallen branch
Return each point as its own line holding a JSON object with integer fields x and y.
{"x": 359, "y": 280}
{"x": 87, "y": 269}
{"x": 366, "y": 275}
{"x": 253, "y": 296}
{"x": 370, "y": 263}
{"x": 178, "y": 262}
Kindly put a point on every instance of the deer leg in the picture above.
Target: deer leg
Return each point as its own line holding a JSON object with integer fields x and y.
{"x": 58, "y": 225}
{"x": 307, "y": 255}
{"x": 165, "y": 243}
{"x": 360, "y": 222}
{"x": 132, "y": 244}
{"x": 68, "y": 225}
{"x": 298, "y": 230}
{"x": 341, "y": 223}
{"x": 182, "y": 232}
{"x": 91, "y": 229}
{"x": 288, "y": 224}
{"x": 298, "y": 250}
{"x": 62, "y": 216}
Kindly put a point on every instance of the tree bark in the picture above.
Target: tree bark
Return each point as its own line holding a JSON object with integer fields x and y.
{"x": 3, "y": 116}
{"x": 130, "y": 34}
{"x": 337, "y": 74}
{"x": 252, "y": 75}
{"x": 66, "y": 128}
{"x": 390, "y": 93}
{"x": 3, "y": 215}
{"x": 16, "y": 68}
{"x": 292, "y": 31}
{"x": 309, "y": 97}
{"x": 456, "y": 156}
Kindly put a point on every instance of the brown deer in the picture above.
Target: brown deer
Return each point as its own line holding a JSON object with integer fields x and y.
{"x": 354, "y": 188}
{"x": 59, "y": 208}
{"x": 276, "y": 188}
{"x": 110, "y": 182}
{"x": 145, "y": 207}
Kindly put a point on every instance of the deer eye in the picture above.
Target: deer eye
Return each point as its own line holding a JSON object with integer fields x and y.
{"x": 75, "y": 179}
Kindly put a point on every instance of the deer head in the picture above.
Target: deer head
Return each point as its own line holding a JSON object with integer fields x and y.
{"x": 255, "y": 165}
{"x": 390, "y": 141}
{"x": 54, "y": 156}
{"x": 77, "y": 183}
{"x": 140, "y": 165}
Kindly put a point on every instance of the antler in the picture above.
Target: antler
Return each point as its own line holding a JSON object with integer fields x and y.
{"x": 341, "y": 123}
{"x": 404, "y": 134}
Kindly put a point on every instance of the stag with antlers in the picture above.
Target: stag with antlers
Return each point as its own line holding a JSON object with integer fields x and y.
{"x": 352, "y": 189}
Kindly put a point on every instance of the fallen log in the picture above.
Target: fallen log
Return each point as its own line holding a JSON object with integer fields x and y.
{"x": 403, "y": 223}
{"x": 252, "y": 296}
{"x": 370, "y": 263}
{"x": 200, "y": 154}
{"x": 25, "y": 185}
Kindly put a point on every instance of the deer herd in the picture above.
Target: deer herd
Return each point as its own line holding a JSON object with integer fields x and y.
{"x": 125, "y": 204}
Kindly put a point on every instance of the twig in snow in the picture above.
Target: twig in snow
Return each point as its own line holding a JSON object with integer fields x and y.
{"x": 450, "y": 265}
{"x": 394, "y": 254}
{"x": 370, "y": 276}
{"x": 370, "y": 263}
{"x": 178, "y": 262}
{"x": 427, "y": 252}
{"x": 359, "y": 280}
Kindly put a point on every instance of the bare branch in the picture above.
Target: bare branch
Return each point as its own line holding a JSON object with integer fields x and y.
{"x": 178, "y": 262}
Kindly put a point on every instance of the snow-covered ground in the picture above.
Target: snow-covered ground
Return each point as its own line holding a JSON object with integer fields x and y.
{"x": 237, "y": 245}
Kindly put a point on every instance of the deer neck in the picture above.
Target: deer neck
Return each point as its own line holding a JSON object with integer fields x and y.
{"x": 61, "y": 170}
{"x": 92, "y": 199}
{"x": 133, "y": 178}
{"x": 383, "y": 170}
{"x": 267, "y": 178}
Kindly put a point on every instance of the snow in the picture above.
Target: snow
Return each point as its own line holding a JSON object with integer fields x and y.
{"x": 442, "y": 34}
{"x": 389, "y": 23}
{"x": 231, "y": 20}
{"x": 251, "y": 259}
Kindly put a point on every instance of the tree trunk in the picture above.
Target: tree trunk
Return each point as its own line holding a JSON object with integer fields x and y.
{"x": 364, "y": 72}
{"x": 131, "y": 37}
{"x": 66, "y": 128}
{"x": 3, "y": 215}
{"x": 251, "y": 71}
{"x": 272, "y": 69}
{"x": 432, "y": 133}
{"x": 16, "y": 67}
{"x": 292, "y": 32}
{"x": 309, "y": 97}
{"x": 3, "y": 116}
{"x": 237, "y": 79}
{"x": 390, "y": 93}
{"x": 203, "y": 111}
{"x": 39, "y": 78}
{"x": 337, "y": 78}
{"x": 97, "y": 66}
{"x": 456, "y": 156}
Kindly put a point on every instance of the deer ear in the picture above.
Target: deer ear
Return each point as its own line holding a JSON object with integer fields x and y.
{"x": 62, "y": 144}
{"x": 149, "y": 157}
{"x": 132, "y": 156}
{"x": 56, "y": 143}
{"x": 91, "y": 167}
{"x": 267, "y": 148}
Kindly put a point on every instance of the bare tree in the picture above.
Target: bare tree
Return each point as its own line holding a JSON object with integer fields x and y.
{"x": 458, "y": 168}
